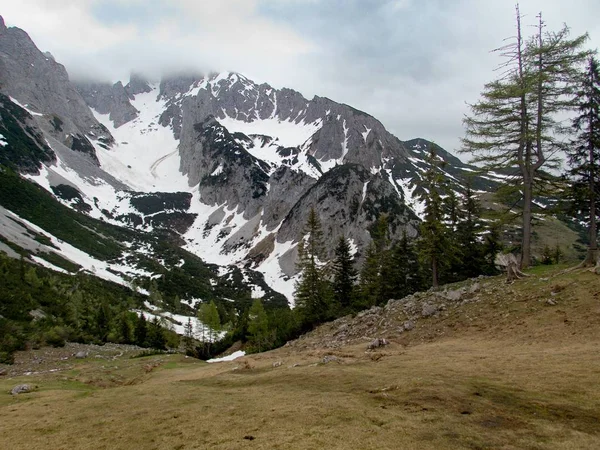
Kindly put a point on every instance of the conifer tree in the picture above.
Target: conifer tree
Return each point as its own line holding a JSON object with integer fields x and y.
{"x": 209, "y": 316}
{"x": 370, "y": 278}
{"x": 313, "y": 294}
{"x": 514, "y": 124}
{"x": 188, "y": 337}
{"x": 402, "y": 276}
{"x": 468, "y": 239}
{"x": 258, "y": 326}
{"x": 375, "y": 263}
{"x": 584, "y": 155}
{"x": 103, "y": 317}
{"x": 141, "y": 331}
{"x": 156, "y": 335}
{"x": 434, "y": 245}
{"x": 492, "y": 246}
{"x": 344, "y": 274}
{"x": 124, "y": 328}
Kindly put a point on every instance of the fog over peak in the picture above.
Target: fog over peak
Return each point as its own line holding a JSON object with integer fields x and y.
{"x": 413, "y": 65}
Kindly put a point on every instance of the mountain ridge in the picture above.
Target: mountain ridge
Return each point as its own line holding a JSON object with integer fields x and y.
{"x": 253, "y": 158}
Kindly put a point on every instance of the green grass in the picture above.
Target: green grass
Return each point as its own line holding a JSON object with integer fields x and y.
{"x": 529, "y": 380}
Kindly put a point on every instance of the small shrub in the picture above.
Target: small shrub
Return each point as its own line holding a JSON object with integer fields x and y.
{"x": 56, "y": 337}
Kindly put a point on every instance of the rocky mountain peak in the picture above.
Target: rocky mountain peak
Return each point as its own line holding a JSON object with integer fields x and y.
{"x": 42, "y": 86}
{"x": 138, "y": 84}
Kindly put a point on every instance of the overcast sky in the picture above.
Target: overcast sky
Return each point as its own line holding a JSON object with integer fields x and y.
{"x": 412, "y": 64}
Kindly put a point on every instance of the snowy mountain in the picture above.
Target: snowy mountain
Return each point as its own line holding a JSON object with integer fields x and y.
{"x": 228, "y": 167}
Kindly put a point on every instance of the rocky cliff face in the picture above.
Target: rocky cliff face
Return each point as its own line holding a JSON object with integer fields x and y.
{"x": 39, "y": 83}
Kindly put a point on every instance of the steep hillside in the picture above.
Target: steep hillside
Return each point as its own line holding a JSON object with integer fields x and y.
{"x": 500, "y": 366}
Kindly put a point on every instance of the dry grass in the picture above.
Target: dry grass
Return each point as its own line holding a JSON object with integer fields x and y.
{"x": 488, "y": 381}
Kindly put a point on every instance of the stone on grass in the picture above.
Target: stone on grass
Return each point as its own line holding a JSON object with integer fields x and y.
{"x": 376, "y": 343}
{"x": 22, "y": 389}
{"x": 330, "y": 358}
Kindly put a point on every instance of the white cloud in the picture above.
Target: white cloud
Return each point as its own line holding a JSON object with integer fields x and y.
{"x": 413, "y": 65}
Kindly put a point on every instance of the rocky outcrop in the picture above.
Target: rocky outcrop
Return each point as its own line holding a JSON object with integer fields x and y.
{"x": 348, "y": 200}
{"x": 42, "y": 85}
{"x": 23, "y": 146}
{"x": 109, "y": 99}
{"x": 138, "y": 84}
{"x": 225, "y": 171}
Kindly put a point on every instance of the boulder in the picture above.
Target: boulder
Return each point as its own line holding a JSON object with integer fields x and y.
{"x": 408, "y": 325}
{"x": 22, "y": 389}
{"x": 376, "y": 343}
{"x": 330, "y": 358}
{"x": 428, "y": 310}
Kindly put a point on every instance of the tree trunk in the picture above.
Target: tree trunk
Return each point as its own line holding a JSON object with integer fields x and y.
{"x": 592, "y": 254}
{"x": 434, "y": 271}
{"x": 527, "y": 216}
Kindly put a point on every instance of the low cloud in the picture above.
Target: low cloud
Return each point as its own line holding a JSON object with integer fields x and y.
{"x": 411, "y": 64}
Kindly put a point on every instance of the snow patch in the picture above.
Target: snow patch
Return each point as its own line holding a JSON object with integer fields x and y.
{"x": 365, "y": 134}
{"x": 285, "y": 132}
{"x": 16, "y": 102}
{"x": 231, "y": 357}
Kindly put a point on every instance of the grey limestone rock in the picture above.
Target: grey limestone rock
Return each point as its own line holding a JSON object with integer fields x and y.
{"x": 43, "y": 86}
{"x": 109, "y": 99}
{"x": 330, "y": 358}
{"x": 22, "y": 389}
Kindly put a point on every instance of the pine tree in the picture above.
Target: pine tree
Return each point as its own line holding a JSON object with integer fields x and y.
{"x": 103, "y": 316}
{"x": 375, "y": 264}
{"x": 156, "y": 335}
{"x": 370, "y": 279}
{"x": 209, "y": 316}
{"x": 492, "y": 245}
{"x": 584, "y": 155}
{"x": 188, "y": 337}
{"x": 468, "y": 240}
{"x": 434, "y": 245}
{"x": 313, "y": 294}
{"x": 344, "y": 274}
{"x": 513, "y": 125}
{"x": 258, "y": 326}
{"x": 402, "y": 276}
{"x": 141, "y": 331}
{"x": 125, "y": 328}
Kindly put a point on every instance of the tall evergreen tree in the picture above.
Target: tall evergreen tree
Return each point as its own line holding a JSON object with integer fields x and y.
{"x": 370, "y": 279}
{"x": 375, "y": 263}
{"x": 258, "y": 326}
{"x": 141, "y": 331}
{"x": 584, "y": 155}
{"x": 209, "y": 316}
{"x": 156, "y": 335}
{"x": 188, "y": 337}
{"x": 125, "y": 328}
{"x": 313, "y": 294}
{"x": 514, "y": 125}
{"x": 402, "y": 276}
{"x": 434, "y": 245}
{"x": 344, "y": 274}
{"x": 468, "y": 237}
